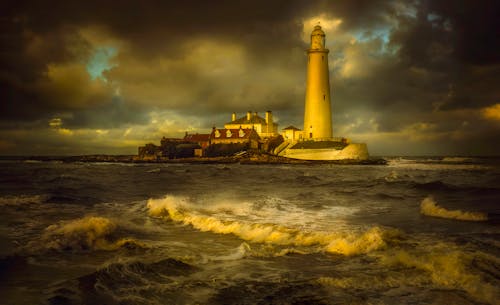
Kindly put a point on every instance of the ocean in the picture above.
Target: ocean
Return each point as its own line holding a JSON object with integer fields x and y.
{"x": 414, "y": 231}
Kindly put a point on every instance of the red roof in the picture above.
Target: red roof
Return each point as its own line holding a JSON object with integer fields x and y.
{"x": 232, "y": 133}
{"x": 197, "y": 137}
{"x": 291, "y": 127}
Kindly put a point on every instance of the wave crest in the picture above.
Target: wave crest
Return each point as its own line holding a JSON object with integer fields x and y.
{"x": 447, "y": 268}
{"x": 179, "y": 209}
{"x": 430, "y": 208}
{"x": 442, "y": 264}
{"x": 88, "y": 233}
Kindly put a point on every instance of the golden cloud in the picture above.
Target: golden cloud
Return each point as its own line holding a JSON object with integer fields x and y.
{"x": 328, "y": 24}
{"x": 492, "y": 112}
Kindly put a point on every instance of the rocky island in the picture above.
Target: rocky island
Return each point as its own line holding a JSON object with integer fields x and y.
{"x": 244, "y": 157}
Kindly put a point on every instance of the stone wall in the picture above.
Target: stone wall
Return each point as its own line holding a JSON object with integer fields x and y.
{"x": 353, "y": 151}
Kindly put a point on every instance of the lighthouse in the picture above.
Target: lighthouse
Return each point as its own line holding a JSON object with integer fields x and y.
{"x": 316, "y": 141}
{"x": 318, "y": 112}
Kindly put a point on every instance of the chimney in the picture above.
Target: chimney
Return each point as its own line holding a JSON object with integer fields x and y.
{"x": 269, "y": 117}
{"x": 233, "y": 117}
{"x": 249, "y": 115}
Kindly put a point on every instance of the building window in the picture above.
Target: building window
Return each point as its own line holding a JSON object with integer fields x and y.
{"x": 310, "y": 135}
{"x": 324, "y": 97}
{"x": 322, "y": 58}
{"x": 217, "y": 133}
{"x": 228, "y": 133}
{"x": 241, "y": 133}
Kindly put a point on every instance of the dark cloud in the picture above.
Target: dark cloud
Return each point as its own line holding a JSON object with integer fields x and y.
{"x": 106, "y": 116}
{"x": 476, "y": 28}
{"x": 396, "y": 65}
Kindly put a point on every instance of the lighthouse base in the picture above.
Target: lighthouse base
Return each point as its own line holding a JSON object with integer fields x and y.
{"x": 323, "y": 150}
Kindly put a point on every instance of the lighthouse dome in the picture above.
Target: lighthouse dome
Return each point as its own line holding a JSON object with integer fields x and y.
{"x": 317, "y": 38}
{"x": 317, "y": 31}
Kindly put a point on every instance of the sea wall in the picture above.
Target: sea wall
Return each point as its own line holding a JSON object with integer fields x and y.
{"x": 353, "y": 151}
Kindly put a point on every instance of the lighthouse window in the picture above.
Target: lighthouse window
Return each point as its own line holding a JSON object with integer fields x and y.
{"x": 324, "y": 96}
{"x": 322, "y": 58}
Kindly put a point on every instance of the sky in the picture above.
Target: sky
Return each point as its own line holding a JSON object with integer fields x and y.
{"x": 104, "y": 77}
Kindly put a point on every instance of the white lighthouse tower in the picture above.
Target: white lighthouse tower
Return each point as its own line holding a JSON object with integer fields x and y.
{"x": 318, "y": 112}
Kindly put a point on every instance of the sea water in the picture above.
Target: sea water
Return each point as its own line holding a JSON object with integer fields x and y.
{"x": 415, "y": 231}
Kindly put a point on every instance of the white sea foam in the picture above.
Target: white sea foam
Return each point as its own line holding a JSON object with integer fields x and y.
{"x": 242, "y": 251}
{"x": 227, "y": 207}
{"x": 392, "y": 176}
{"x": 448, "y": 163}
{"x": 457, "y": 159}
{"x": 22, "y": 200}
{"x": 270, "y": 209}
{"x": 362, "y": 281}
{"x": 430, "y": 208}
{"x": 88, "y": 233}
{"x": 180, "y": 209}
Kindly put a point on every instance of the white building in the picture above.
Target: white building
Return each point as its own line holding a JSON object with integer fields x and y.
{"x": 265, "y": 127}
{"x": 292, "y": 133}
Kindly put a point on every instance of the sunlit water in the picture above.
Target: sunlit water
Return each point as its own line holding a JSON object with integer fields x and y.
{"x": 417, "y": 231}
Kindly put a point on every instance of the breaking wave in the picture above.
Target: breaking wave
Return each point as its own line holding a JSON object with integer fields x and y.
{"x": 180, "y": 210}
{"x": 447, "y": 267}
{"x": 430, "y": 208}
{"x": 88, "y": 233}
